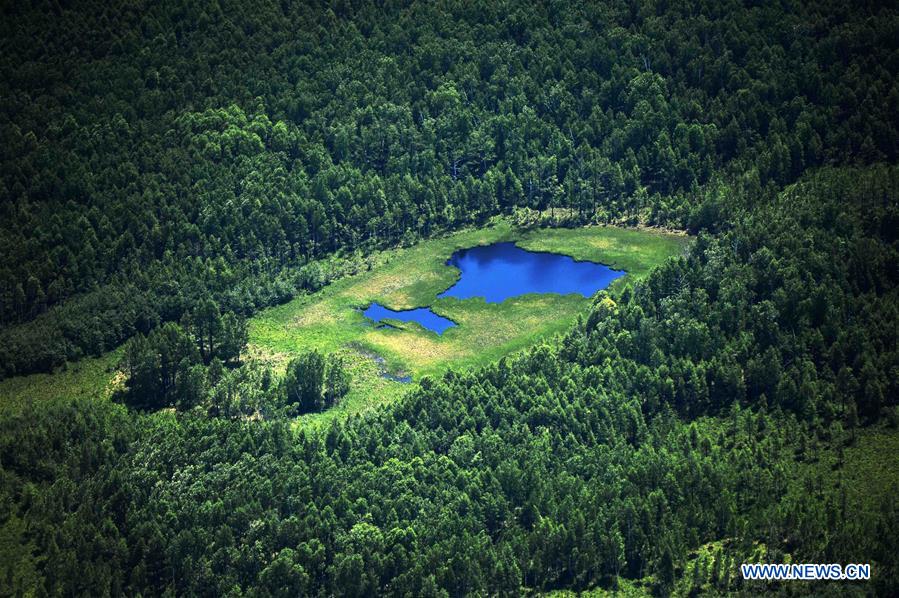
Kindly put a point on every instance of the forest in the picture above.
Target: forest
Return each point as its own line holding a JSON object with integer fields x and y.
{"x": 170, "y": 169}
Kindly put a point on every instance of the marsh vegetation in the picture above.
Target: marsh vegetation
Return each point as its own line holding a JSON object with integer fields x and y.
{"x": 330, "y": 320}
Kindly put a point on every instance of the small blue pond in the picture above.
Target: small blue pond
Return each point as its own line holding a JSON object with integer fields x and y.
{"x": 423, "y": 315}
{"x": 503, "y": 270}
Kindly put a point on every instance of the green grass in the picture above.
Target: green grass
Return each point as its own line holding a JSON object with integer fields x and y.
{"x": 634, "y": 250}
{"x": 93, "y": 377}
{"x": 329, "y": 320}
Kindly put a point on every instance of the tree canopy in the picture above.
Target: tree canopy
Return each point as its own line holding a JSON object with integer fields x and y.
{"x": 169, "y": 168}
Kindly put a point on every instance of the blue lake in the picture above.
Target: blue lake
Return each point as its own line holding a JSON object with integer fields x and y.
{"x": 423, "y": 315}
{"x": 503, "y": 270}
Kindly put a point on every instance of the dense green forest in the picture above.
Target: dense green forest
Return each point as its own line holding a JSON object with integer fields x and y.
{"x": 169, "y": 168}
{"x": 568, "y": 466}
{"x": 157, "y": 154}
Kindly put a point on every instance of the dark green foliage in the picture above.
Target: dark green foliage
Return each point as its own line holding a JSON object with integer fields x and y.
{"x": 314, "y": 382}
{"x": 565, "y": 467}
{"x": 168, "y": 168}
{"x": 304, "y": 382}
{"x": 337, "y": 380}
{"x": 233, "y": 338}
{"x": 166, "y": 368}
{"x": 784, "y": 309}
{"x": 157, "y": 155}
{"x": 159, "y": 367}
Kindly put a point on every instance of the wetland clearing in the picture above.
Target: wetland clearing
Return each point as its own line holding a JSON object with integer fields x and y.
{"x": 384, "y": 353}
{"x": 482, "y": 329}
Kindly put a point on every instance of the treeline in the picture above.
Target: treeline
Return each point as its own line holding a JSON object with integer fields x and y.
{"x": 157, "y": 153}
{"x": 565, "y": 467}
